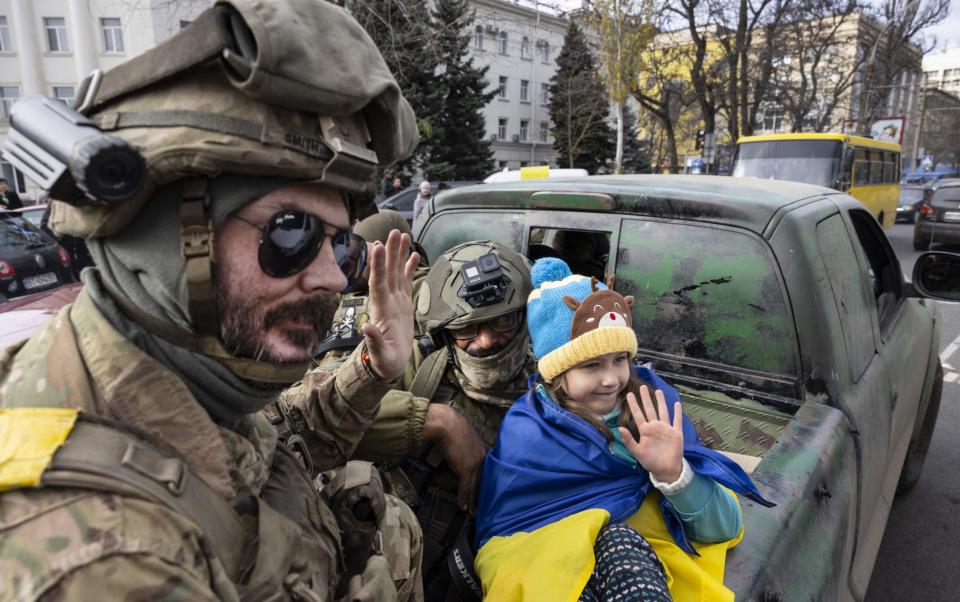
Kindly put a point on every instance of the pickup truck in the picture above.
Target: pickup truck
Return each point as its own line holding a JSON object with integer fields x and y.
{"x": 780, "y": 312}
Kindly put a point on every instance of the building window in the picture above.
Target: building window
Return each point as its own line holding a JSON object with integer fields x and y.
{"x": 65, "y": 94}
{"x": 503, "y": 42}
{"x": 525, "y": 49}
{"x": 5, "y": 44}
{"x": 524, "y": 90}
{"x": 544, "y": 94}
{"x": 502, "y": 91}
{"x": 478, "y": 38}
{"x": 8, "y": 96}
{"x": 56, "y": 28}
{"x": 544, "y": 51}
{"x": 502, "y": 128}
{"x": 112, "y": 35}
{"x": 524, "y": 129}
{"x": 544, "y": 130}
{"x": 771, "y": 118}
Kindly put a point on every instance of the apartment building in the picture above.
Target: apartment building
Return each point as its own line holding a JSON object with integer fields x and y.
{"x": 519, "y": 42}
{"x": 48, "y": 46}
{"x": 942, "y": 69}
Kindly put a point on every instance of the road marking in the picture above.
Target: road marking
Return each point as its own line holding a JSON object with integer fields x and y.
{"x": 950, "y": 350}
{"x": 950, "y": 377}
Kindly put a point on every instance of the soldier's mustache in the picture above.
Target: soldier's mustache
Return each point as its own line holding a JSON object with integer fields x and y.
{"x": 316, "y": 312}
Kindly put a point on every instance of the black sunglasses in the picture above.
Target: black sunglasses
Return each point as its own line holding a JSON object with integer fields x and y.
{"x": 290, "y": 240}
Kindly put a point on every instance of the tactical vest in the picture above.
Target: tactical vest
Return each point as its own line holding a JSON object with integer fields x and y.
{"x": 286, "y": 544}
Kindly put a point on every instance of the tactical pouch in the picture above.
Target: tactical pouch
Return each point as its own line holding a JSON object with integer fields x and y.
{"x": 357, "y": 500}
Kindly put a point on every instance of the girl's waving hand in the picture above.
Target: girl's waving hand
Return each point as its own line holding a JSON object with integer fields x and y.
{"x": 660, "y": 447}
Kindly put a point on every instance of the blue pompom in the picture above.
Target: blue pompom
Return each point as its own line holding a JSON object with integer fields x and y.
{"x": 549, "y": 269}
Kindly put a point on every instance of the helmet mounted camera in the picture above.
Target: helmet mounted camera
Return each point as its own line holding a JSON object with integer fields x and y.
{"x": 484, "y": 282}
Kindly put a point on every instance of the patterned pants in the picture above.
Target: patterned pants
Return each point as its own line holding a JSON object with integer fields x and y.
{"x": 627, "y": 569}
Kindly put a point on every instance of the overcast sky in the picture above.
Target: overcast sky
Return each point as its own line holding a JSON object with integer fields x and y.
{"x": 949, "y": 29}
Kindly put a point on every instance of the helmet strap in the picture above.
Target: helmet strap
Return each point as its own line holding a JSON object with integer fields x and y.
{"x": 197, "y": 247}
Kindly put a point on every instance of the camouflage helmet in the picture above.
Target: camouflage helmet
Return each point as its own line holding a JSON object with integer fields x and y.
{"x": 278, "y": 88}
{"x": 441, "y": 302}
{"x": 273, "y": 90}
{"x": 377, "y": 227}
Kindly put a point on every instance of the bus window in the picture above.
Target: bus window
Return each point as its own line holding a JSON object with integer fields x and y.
{"x": 810, "y": 161}
{"x": 861, "y": 168}
{"x": 889, "y": 168}
{"x": 876, "y": 167}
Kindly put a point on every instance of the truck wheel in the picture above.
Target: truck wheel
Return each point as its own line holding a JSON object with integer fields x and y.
{"x": 917, "y": 452}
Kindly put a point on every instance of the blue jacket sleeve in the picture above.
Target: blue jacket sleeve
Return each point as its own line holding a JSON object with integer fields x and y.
{"x": 709, "y": 513}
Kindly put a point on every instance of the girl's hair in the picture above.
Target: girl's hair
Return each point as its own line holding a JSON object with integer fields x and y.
{"x": 634, "y": 383}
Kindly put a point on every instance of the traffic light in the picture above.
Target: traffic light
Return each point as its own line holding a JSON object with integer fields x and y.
{"x": 699, "y": 142}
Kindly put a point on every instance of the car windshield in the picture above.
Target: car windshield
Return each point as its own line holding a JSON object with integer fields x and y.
{"x": 809, "y": 161}
{"x": 909, "y": 195}
{"x": 16, "y": 231}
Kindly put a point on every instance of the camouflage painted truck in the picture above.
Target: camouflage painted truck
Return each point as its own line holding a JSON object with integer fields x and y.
{"x": 780, "y": 312}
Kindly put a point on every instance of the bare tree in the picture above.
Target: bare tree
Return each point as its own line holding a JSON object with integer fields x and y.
{"x": 624, "y": 29}
{"x": 665, "y": 93}
{"x": 749, "y": 42}
{"x": 893, "y": 46}
{"x": 813, "y": 71}
{"x": 707, "y": 69}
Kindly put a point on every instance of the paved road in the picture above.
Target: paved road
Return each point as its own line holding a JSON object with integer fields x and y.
{"x": 919, "y": 559}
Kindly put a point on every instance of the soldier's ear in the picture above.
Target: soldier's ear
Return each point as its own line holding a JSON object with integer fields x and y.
{"x": 571, "y": 302}
{"x": 629, "y": 299}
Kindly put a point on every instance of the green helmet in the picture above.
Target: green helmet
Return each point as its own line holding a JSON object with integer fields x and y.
{"x": 491, "y": 288}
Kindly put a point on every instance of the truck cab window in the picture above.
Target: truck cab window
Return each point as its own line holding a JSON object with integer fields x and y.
{"x": 585, "y": 251}
{"x": 883, "y": 266}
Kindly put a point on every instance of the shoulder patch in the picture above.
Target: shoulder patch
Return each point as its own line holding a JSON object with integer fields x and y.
{"x": 28, "y": 439}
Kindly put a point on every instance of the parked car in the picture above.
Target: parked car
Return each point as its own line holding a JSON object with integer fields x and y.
{"x": 24, "y": 315}
{"x": 33, "y": 213}
{"x": 402, "y": 202}
{"x": 780, "y": 312}
{"x": 912, "y": 196}
{"x": 30, "y": 260}
{"x": 537, "y": 172}
{"x": 938, "y": 221}
{"x": 928, "y": 177}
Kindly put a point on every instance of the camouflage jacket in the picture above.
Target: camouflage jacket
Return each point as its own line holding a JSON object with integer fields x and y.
{"x": 71, "y": 544}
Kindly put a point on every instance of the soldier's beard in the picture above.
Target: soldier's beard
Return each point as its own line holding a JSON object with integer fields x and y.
{"x": 245, "y": 326}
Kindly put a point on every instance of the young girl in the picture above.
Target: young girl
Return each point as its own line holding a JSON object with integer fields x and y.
{"x": 596, "y": 488}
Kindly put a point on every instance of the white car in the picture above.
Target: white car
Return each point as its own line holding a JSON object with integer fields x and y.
{"x": 539, "y": 172}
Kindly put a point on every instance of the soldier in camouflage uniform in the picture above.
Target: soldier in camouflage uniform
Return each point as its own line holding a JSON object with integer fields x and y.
{"x": 134, "y": 464}
{"x": 432, "y": 433}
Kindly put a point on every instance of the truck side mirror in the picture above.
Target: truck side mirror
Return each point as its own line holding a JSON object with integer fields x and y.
{"x": 937, "y": 275}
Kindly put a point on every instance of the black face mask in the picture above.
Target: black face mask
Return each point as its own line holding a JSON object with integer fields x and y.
{"x": 291, "y": 240}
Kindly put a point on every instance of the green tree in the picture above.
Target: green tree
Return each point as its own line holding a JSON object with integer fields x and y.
{"x": 579, "y": 107}
{"x": 636, "y": 155}
{"x": 403, "y": 31}
{"x": 460, "y": 149}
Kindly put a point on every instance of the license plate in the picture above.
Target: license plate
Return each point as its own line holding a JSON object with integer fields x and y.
{"x": 32, "y": 282}
{"x": 951, "y": 216}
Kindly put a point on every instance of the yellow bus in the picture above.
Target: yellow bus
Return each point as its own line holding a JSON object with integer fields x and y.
{"x": 864, "y": 168}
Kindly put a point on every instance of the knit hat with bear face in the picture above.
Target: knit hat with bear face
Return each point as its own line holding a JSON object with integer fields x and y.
{"x": 574, "y": 318}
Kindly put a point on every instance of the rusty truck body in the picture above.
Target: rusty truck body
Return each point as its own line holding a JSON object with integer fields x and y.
{"x": 780, "y": 312}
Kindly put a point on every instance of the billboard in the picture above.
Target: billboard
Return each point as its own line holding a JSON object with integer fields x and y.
{"x": 888, "y": 129}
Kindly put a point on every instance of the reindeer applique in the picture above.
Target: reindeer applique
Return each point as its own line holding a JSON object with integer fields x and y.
{"x": 599, "y": 309}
